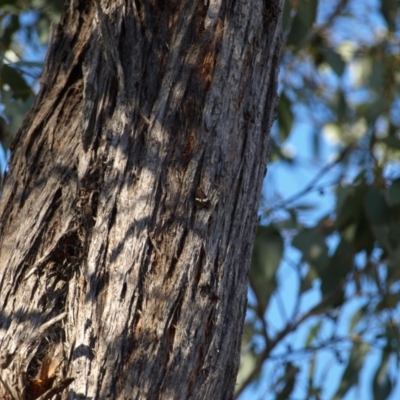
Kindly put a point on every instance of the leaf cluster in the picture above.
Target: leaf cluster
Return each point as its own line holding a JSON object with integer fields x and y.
{"x": 342, "y": 268}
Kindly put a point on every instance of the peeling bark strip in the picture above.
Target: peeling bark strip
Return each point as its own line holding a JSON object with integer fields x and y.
{"x": 127, "y": 221}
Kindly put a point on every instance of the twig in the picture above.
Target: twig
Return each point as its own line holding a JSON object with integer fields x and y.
{"x": 312, "y": 183}
{"x": 290, "y": 327}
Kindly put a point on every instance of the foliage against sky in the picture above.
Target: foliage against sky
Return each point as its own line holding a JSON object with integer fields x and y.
{"x": 340, "y": 76}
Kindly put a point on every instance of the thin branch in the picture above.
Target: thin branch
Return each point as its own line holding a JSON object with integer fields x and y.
{"x": 290, "y": 327}
{"x": 383, "y": 295}
{"x": 312, "y": 183}
{"x": 323, "y": 345}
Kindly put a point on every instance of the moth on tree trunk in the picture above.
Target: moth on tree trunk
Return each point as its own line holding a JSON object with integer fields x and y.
{"x": 129, "y": 213}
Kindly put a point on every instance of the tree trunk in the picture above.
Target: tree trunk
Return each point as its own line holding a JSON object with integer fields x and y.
{"x": 128, "y": 216}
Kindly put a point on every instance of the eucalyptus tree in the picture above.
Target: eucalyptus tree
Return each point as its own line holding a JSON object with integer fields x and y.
{"x": 129, "y": 211}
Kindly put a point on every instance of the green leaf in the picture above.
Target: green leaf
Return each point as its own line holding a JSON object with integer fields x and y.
{"x": 351, "y": 374}
{"x": 285, "y": 117}
{"x": 357, "y": 317}
{"x": 389, "y": 9}
{"x": 248, "y": 333}
{"x": 390, "y": 301}
{"x": 314, "y": 249}
{"x": 302, "y": 22}
{"x": 11, "y": 28}
{"x": 286, "y": 16}
{"x": 377, "y": 75}
{"x": 15, "y": 110}
{"x": 393, "y": 195}
{"x": 375, "y": 206}
{"x": 393, "y": 270}
{"x": 341, "y": 104}
{"x": 394, "y": 234}
{"x": 391, "y": 142}
{"x": 248, "y": 362}
{"x": 365, "y": 236}
{"x": 290, "y": 379}
{"x": 334, "y": 60}
{"x": 43, "y": 30}
{"x": 267, "y": 255}
{"x": 313, "y": 333}
{"x": 382, "y": 385}
{"x": 371, "y": 110}
{"x": 351, "y": 218}
{"x": 307, "y": 281}
{"x": 52, "y": 9}
{"x": 12, "y": 77}
{"x": 311, "y": 370}
{"x": 5, "y": 136}
{"x": 332, "y": 279}
{"x": 14, "y": 4}
{"x": 349, "y": 205}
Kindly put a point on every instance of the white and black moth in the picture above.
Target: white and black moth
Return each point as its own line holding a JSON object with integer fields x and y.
{"x": 201, "y": 199}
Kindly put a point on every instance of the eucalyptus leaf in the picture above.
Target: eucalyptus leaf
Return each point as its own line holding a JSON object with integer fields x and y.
{"x": 248, "y": 361}
{"x": 286, "y": 16}
{"x": 376, "y": 208}
{"x": 334, "y": 60}
{"x": 351, "y": 374}
{"x": 14, "y": 79}
{"x": 393, "y": 194}
{"x": 267, "y": 255}
{"x": 389, "y": 9}
{"x": 289, "y": 380}
{"x": 392, "y": 142}
{"x": 382, "y": 384}
{"x": 302, "y": 22}
{"x": 285, "y": 117}
{"x": 10, "y": 30}
{"x": 314, "y": 249}
{"x": 349, "y": 205}
{"x": 313, "y": 333}
{"x": 357, "y": 317}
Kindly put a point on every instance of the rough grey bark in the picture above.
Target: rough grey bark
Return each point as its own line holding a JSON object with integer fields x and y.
{"x": 128, "y": 216}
